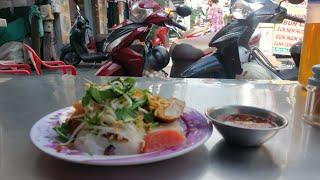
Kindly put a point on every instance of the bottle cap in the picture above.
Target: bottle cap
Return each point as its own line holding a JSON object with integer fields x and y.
{"x": 315, "y": 80}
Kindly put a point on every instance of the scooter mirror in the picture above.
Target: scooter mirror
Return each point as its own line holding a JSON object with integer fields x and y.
{"x": 295, "y": 1}
{"x": 78, "y": 8}
{"x": 183, "y": 10}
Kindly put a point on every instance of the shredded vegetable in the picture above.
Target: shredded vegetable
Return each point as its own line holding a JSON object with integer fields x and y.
{"x": 110, "y": 104}
{"x": 114, "y": 117}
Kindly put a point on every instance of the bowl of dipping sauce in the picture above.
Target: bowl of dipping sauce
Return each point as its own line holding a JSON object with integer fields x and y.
{"x": 244, "y": 125}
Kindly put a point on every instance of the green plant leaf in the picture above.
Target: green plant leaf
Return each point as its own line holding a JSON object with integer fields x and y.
{"x": 149, "y": 117}
{"x": 129, "y": 83}
{"x": 95, "y": 121}
{"x": 126, "y": 85}
{"x": 118, "y": 89}
{"x": 107, "y": 94}
{"x": 138, "y": 104}
{"x": 127, "y": 115}
{"x": 95, "y": 93}
{"x": 155, "y": 124}
{"x": 63, "y": 132}
{"x": 86, "y": 99}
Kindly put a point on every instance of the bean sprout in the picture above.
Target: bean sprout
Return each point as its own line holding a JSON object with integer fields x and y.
{"x": 129, "y": 101}
{"x": 143, "y": 110}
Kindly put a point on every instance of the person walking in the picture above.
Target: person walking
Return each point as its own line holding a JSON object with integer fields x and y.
{"x": 215, "y": 16}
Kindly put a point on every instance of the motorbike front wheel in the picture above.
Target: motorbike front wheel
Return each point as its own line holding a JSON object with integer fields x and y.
{"x": 70, "y": 58}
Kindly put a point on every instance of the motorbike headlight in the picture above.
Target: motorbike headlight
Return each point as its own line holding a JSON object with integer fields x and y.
{"x": 138, "y": 14}
{"x": 241, "y": 9}
{"x": 108, "y": 47}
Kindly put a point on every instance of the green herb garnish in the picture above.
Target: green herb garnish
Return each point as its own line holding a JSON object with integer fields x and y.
{"x": 149, "y": 117}
{"x": 62, "y": 131}
{"x": 140, "y": 103}
{"x": 125, "y": 114}
{"x": 95, "y": 93}
{"x": 95, "y": 121}
{"x": 129, "y": 83}
{"x": 107, "y": 94}
{"x": 86, "y": 99}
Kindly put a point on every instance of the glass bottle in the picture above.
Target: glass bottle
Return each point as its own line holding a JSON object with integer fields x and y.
{"x": 312, "y": 108}
{"x": 311, "y": 44}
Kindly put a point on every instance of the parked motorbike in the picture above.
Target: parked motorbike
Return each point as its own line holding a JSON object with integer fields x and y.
{"x": 290, "y": 72}
{"x": 129, "y": 52}
{"x": 233, "y": 56}
{"x": 82, "y": 45}
{"x": 162, "y": 34}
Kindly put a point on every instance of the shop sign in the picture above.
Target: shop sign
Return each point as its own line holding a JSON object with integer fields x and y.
{"x": 289, "y": 32}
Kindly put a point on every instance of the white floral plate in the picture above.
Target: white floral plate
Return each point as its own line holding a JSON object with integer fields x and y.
{"x": 198, "y": 130}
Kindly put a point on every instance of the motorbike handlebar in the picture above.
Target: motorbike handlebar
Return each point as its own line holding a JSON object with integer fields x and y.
{"x": 296, "y": 19}
{"x": 173, "y": 23}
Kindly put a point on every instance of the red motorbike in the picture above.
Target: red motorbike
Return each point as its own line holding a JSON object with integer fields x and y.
{"x": 128, "y": 50}
{"x": 162, "y": 35}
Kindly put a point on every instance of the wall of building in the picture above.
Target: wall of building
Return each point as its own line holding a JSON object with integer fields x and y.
{"x": 101, "y": 19}
{"x": 65, "y": 21}
{"x": 15, "y": 3}
{"x": 62, "y": 22}
{"x": 63, "y": 11}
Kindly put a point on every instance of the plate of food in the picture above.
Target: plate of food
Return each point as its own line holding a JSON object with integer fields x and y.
{"x": 117, "y": 123}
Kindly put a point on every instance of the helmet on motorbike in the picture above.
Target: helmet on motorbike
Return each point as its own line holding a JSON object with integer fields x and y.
{"x": 157, "y": 58}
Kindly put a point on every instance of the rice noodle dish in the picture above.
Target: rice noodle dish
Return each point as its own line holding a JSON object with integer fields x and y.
{"x": 117, "y": 118}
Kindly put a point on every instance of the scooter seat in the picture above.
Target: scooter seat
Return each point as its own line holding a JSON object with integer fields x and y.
{"x": 94, "y": 57}
{"x": 288, "y": 74}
